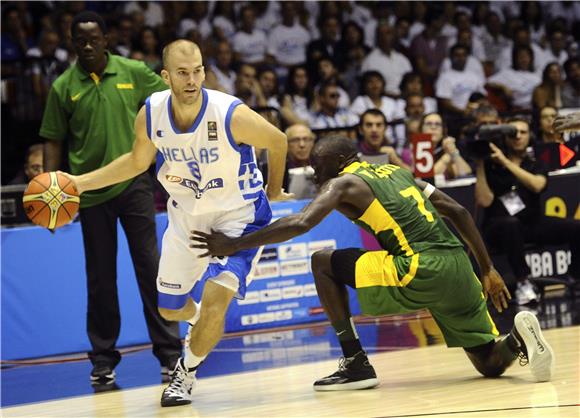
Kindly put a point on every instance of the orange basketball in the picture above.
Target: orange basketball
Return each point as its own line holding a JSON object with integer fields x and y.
{"x": 51, "y": 200}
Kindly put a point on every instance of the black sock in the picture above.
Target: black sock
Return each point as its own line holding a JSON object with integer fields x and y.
{"x": 347, "y": 337}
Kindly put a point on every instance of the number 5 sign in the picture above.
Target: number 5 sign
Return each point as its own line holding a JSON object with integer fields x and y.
{"x": 423, "y": 155}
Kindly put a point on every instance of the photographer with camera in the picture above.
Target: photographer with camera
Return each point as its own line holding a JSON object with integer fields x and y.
{"x": 509, "y": 184}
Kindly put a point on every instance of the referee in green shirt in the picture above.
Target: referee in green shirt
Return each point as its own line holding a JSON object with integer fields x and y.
{"x": 92, "y": 106}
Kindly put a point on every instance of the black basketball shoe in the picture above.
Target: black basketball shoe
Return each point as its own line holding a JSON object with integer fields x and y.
{"x": 353, "y": 373}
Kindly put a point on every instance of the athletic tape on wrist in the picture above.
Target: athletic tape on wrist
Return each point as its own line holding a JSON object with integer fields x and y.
{"x": 429, "y": 190}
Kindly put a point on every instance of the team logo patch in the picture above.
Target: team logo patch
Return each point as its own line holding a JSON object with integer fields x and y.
{"x": 216, "y": 183}
{"x": 212, "y": 131}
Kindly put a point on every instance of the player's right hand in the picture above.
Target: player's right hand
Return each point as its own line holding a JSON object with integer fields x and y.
{"x": 74, "y": 179}
{"x": 494, "y": 287}
{"x": 280, "y": 196}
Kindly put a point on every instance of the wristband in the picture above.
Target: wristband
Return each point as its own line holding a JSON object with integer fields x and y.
{"x": 429, "y": 190}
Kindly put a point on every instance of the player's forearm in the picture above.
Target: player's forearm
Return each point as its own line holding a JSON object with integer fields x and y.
{"x": 276, "y": 168}
{"x": 123, "y": 168}
{"x": 281, "y": 230}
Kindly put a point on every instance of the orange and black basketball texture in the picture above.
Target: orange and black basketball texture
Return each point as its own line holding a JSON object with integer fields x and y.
{"x": 51, "y": 200}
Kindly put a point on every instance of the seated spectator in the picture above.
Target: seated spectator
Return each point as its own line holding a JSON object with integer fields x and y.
{"x": 299, "y": 173}
{"x": 456, "y": 85}
{"x": 384, "y": 59}
{"x": 267, "y": 94}
{"x": 546, "y": 132}
{"x": 373, "y": 96}
{"x": 249, "y": 43}
{"x": 325, "y": 46}
{"x": 411, "y": 84}
{"x": 508, "y": 186}
{"x": 197, "y": 18}
{"x": 328, "y": 73}
{"x": 517, "y": 83}
{"x": 287, "y": 41}
{"x": 330, "y": 114}
{"x": 149, "y": 45}
{"x": 246, "y": 85}
{"x": 223, "y": 20}
{"x": 298, "y": 92}
{"x": 494, "y": 43}
{"x": 556, "y": 50}
{"x": 571, "y": 88}
{"x": 549, "y": 92}
{"x": 33, "y": 165}
{"x": 351, "y": 45}
{"x": 373, "y": 146}
{"x": 152, "y": 11}
{"x": 473, "y": 63}
{"x": 521, "y": 39}
{"x": 220, "y": 75}
{"x": 448, "y": 158}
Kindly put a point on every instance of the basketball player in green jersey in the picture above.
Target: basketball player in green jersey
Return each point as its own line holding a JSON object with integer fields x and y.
{"x": 421, "y": 265}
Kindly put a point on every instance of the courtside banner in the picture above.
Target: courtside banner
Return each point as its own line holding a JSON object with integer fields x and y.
{"x": 283, "y": 291}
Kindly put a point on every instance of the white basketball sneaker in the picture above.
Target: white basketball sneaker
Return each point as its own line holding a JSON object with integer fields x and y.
{"x": 534, "y": 348}
{"x": 179, "y": 390}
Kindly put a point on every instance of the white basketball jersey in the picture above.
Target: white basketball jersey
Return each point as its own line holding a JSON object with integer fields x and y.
{"x": 203, "y": 169}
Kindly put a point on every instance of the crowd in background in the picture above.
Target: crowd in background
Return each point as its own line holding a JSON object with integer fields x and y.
{"x": 320, "y": 64}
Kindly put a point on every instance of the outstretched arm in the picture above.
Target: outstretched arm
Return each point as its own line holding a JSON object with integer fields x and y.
{"x": 218, "y": 244}
{"x": 493, "y": 284}
{"x": 124, "y": 167}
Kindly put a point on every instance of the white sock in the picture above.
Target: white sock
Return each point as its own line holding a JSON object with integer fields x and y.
{"x": 190, "y": 360}
{"x": 193, "y": 320}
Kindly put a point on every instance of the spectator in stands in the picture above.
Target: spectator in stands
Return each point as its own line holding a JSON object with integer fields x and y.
{"x": 63, "y": 23}
{"x": 268, "y": 93}
{"x": 47, "y": 62}
{"x": 298, "y": 92}
{"x": 455, "y": 86}
{"x": 549, "y": 92}
{"x": 448, "y": 158}
{"x": 287, "y": 41}
{"x": 571, "y": 89}
{"x": 473, "y": 63}
{"x": 508, "y": 186}
{"x": 418, "y": 12}
{"x": 15, "y": 41}
{"x": 126, "y": 36}
{"x": 152, "y": 11}
{"x": 517, "y": 83}
{"x": 556, "y": 50}
{"x": 326, "y": 45}
{"x": 546, "y": 132}
{"x": 402, "y": 37}
{"x": 384, "y": 59}
{"x": 521, "y": 38}
{"x": 33, "y": 165}
{"x": 330, "y": 114}
{"x": 462, "y": 21}
{"x": 246, "y": 84}
{"x": 249, "y": 43}
{"x": 532, "y": 17}
{"x": 412, "y": 83}
{"x": 373, "y": 145}
{"x": 352, "y": 37}
{"x": 429, "y": 48}
{"x": 95, "y": 114}
{"x": 224, "y": 20}
{"x": 220, "y": 75}
{"x": 149, "y": 45}
{"x": 299, "y": 173}
{"x": 198, "y": 18}
{"x": 328, "y": 73}
{"x": 494, "y": 43}
{"x": 373, "y": 97}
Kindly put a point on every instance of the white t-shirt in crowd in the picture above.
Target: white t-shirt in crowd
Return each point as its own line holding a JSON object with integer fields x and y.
{"x": 287, "y": 44}
{"x": 473, "y": 65}
{"x": 521, "y": 83}
{"x": 540, "y": 58}
{"x": 250, "y": 46}
{"x": 458, "y": 86}
{"x": 392, "y": 67}
{"x": 343, "y": 118}
{"x": 185, "y": 25}
{"x": 363, "y": 103}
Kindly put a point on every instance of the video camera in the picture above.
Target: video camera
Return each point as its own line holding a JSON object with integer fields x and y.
{"x": 478, "y": 146}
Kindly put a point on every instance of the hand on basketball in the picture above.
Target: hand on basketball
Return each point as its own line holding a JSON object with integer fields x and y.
{"x": 215, "y": 244}
{"x": 567, "y": 123}
{"x": 73, "y": 179}
{"x": 494, "y": 287}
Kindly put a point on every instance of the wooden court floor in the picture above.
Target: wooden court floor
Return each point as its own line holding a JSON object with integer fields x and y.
{"x": 431, "y": 381}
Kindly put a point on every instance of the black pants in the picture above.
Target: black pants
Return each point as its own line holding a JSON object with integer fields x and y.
{"x": 508, "y": 234}
{"x": 134, "y": 207}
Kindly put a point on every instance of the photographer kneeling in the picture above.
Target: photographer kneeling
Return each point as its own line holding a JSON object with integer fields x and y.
{"x": 509, "y": 183}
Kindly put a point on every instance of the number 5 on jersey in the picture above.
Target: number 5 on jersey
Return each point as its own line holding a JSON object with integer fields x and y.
{"x": 423, "y": 155}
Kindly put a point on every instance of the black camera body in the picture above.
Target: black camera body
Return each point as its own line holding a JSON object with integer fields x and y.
{"x": 486, "y": 134}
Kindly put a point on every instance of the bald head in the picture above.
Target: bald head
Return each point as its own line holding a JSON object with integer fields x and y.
{"x": 179, "y": 47}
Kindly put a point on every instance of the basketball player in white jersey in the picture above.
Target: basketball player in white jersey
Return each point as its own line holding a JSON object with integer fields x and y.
{"x": 203, "y": 140}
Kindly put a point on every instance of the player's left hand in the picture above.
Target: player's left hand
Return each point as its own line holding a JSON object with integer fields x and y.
{"x": 215, "y": 244}
{"x": 494, "y": 287}
{"x": 280, "y": 196}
